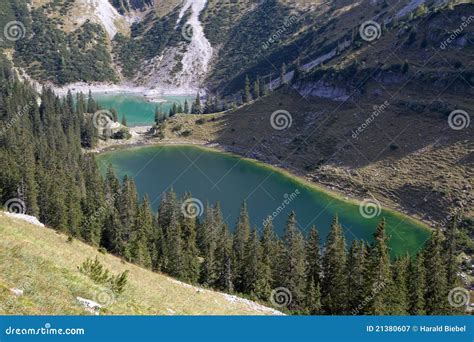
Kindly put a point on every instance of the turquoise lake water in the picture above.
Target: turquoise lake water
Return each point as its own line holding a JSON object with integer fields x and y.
{"x": 139, "y": 110}
{"x": 217, "y": 177}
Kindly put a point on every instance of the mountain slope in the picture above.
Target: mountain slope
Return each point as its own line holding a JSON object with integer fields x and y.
{"x": 43, "y": 264}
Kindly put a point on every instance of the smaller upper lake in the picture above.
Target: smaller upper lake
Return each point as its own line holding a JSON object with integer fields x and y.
{"x": 219, "y": 177}
{"x": 139, "y": 110}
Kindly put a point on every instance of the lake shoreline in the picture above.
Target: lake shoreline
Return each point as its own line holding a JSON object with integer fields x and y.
{"x": 153, "y": 95}
{"x": 333, "y": 190}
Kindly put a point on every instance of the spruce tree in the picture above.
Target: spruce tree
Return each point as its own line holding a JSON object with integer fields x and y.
{"x": 398, "y": 300}
{"x": 269, "y": 267}
{"x": 436, "y": 293}
{"x": 334, "y": 266}
{"x": 293, "y": 263}
{"x": 252, "y": 265}
{"x": 451, "y": 251}
{"x": 140, "y": 240}
{"x": 313, "y": 257}
{"x": 241, "y": 236}
{"x": 247, "y": 93}
{"x": 186, "y": 107}
{"x": 190, "y": 250}
{"x": 256, "y": 89}
{"x": 356, "y": 271}
{"x": 211, "y": 225}
{"x": 224, "y": 281}
{"x": 174, "y": 243}
{"x": 196, "y": 108}
{"x": 416, "y": 286}
{"x": 379, "y": 280}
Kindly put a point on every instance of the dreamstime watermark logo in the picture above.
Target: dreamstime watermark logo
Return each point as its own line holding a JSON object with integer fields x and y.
{"x": 21, "y": 111}
{"x": 281, "y": 120}
{"x": 192, "y": 208}
{"x": 281, "y": 297}
{"x": 376, "y": 289}
{"x": 377, "y": 110}
{"x": 459, "y": 119}
{"x": 103, "y": 120}
{"x": 453, "y": 215}
{"x": 15, "y": 206}
{"x": 187, "y": 32}
{"x": 14, "y": 31}
{"x": 370, "y": 208}
{"x": 288, "y": 198}
{"x": 457, "y": 32}
{"x": 459, "y": 297}
{"x": 288, "y": 22}
{"x": 105, "y": 297}
{"x": 109, "y": 202}
{"x": 370, "y": 31}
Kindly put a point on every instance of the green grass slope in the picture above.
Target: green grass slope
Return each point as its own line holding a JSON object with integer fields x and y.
{"x": 43, "y": 264}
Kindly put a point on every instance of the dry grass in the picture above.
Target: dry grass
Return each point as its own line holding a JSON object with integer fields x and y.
{"x": 42, "y": 263}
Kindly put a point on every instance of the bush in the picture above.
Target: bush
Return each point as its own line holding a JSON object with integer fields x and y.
{"x": 100, "y": 275}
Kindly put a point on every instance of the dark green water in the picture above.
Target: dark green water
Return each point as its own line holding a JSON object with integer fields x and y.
{"x": 137, "y": 109}
{"x": 212, "y": 176}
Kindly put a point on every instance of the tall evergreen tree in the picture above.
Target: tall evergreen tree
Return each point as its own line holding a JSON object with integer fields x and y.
{"x": 190, "y": 249}
{"x": 398, "y": 301}
{"x": 268, "y": 274}
{"x": 379, "y": 280}
{"x": 241, "y": 236}
{"x": 436, "y": 294}
{"x": 416, "y": 286}
{"x": 334, "y": 266}
{"x": 252, "y": 265}
{"x": 256, "y": 88}
{"x": 196, "y": 108}
{"x": 140, "y": 239}
{"x": 356, "y": 271}
{"x": 293, "y": 263}
{"x": 224, "y": 281}
{"x": 186, "y": 107}
{"x": 247, "y": 92}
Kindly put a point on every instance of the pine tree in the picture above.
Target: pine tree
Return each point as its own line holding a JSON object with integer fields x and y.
{"x": 211, "y": 224}
{"x": 140, "y": 240}
{"x": 93, "y": 203}
{"x": 252, "y": 265}
{"x": 91, "y": 104}
{"x": 196, "y": 108}
{"x": 174, "y": 242}
{"x": 224, "y": 261}
{"x": 379, "y": 280}
{"x": 334, "y": 266}
{"x": 247, "y": 94}
{"x": 186, "y": 107}
{"x": 313, "y": 257}
{"x": 356, "y": 271}
{"x": 398, "y": 301}
{"x": 127, "y": 205}
{"x": 451, "y": 252}
{"x": 416, "y": 286}
{"x": 256, "y": 89}
{"x": 269, "y": 247}
{"x": 293, "y": 263}
{"x": 158, "y": 116}
{"x": 436, "y": 278}
{"x": 313, "y": 299}
{"x": 241, "y": 236}
{"x": 190, "y": 250}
